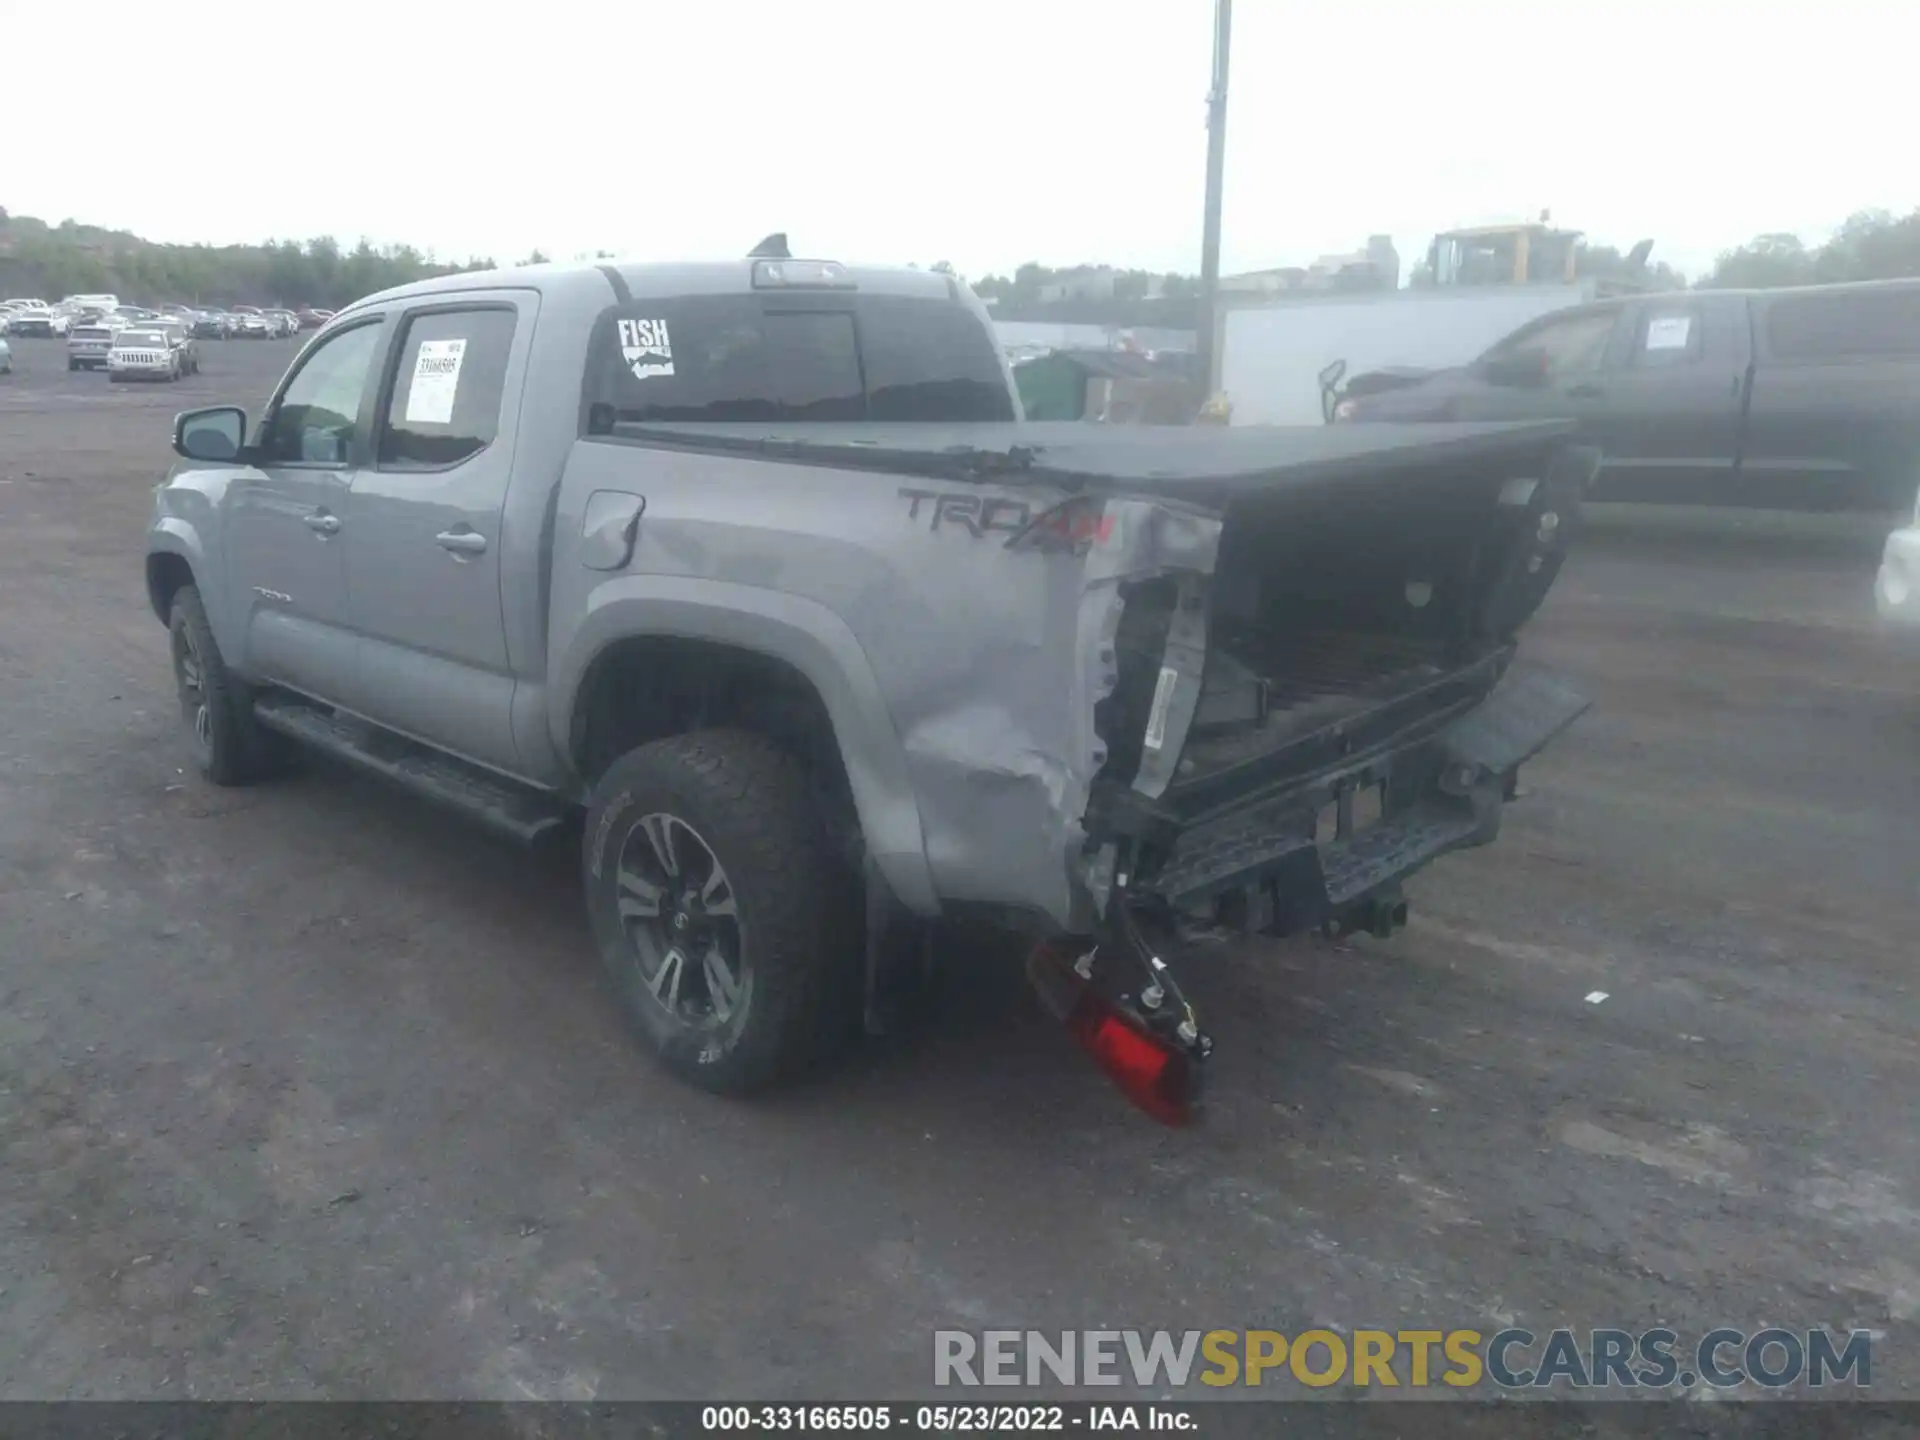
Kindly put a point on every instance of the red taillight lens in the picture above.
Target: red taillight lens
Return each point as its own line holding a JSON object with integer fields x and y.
{"x": 1156, "y": 1078}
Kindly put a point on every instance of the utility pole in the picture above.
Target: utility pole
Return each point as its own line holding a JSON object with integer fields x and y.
{"x": 1208, "y": 335}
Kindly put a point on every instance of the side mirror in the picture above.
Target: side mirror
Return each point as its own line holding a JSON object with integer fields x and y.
{"x": 216, "y": 433}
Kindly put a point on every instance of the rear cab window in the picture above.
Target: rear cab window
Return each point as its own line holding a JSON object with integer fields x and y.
{"x": 794, "y": 359}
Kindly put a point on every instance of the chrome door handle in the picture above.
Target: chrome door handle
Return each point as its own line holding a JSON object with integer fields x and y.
{"x": 462, "y": 542}
{"x": 324, "y": 523}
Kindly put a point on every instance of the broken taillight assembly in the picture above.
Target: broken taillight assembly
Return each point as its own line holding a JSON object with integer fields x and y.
{"x": 1158, "y": 1072}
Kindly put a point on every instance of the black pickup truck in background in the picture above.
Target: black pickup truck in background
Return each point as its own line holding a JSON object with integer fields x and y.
{"x": 1801, "y": 399}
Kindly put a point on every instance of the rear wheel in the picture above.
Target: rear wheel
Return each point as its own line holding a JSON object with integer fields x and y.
{"x": 719, "y": 908}
{"x": 229, "y": 747}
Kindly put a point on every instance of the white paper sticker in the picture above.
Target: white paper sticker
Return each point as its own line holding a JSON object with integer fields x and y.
{"x": 436, "y": 380}
{"x": 1157, "y": 715}
{"x": 1669, "y": 332}
{"x": 647, "y": 348}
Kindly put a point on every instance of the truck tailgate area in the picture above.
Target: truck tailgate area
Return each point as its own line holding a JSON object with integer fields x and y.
{"x": 1335, "y": 836}
{"x": 1354, "y": 715}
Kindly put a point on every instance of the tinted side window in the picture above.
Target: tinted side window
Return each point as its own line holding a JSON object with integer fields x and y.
{"x": 1845, "y": 323}
{"x": 320, "y": 408}
{"x": 1666, "y": 335}
{"x": 1568, "y": 345}
{"x": 447, "y": 389}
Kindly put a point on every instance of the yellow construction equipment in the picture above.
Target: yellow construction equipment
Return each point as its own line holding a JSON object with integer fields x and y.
{"x": 1505, "y": 255}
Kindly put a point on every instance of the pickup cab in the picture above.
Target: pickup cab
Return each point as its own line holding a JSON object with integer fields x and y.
{"x": 1795, "y": 398}
{"x": 754, "y": 572}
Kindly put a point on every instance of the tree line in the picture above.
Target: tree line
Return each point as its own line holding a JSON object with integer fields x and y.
{"x": 1871, "y": 245}
{"x": 70, "y": 258}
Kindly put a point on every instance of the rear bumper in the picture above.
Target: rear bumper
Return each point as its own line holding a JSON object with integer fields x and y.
{"x": 1301, "y": 854}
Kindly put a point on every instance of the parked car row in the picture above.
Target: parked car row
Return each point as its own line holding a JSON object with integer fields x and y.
{"x": 36, "y": 318}
{"x": 159, "y": 349}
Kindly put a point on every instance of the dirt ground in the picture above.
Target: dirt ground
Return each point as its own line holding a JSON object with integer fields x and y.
{"x": 308, "y": 1091}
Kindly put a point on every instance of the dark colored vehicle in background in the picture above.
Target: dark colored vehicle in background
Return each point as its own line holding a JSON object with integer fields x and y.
{"x": 1802, "y": 399}
{"x": 208, "y": 325}
{"x": 88, "y": 344}
{"x": 312, "y": 319}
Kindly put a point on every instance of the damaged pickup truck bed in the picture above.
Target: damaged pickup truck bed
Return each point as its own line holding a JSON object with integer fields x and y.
{"x": 792, "y": 631}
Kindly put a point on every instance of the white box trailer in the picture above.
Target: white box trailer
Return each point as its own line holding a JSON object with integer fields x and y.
{"x": 1271, "y": 355}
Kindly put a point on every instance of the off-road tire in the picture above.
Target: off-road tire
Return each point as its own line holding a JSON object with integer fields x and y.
{"x": 752, "y": 807}
{"x": 234, "y": 749}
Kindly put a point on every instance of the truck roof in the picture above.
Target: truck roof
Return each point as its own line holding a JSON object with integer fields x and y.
{"x": 644, "y": 279}
{"x": 1845, "y": 287}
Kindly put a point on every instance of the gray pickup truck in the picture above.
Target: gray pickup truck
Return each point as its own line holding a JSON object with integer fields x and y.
{"x": 758, "y": 565}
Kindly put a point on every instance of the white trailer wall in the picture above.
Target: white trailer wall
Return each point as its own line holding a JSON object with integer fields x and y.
{"x": 1271, "y": 357}
{"x": 1059, "y": 335}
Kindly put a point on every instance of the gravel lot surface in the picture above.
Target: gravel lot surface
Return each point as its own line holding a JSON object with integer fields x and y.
{"x": 308, "y": 1091}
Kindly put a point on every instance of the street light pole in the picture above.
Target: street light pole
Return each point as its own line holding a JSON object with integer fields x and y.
{"x": 1216, "y": 171}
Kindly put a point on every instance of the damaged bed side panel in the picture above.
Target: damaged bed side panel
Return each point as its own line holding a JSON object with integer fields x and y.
{"x": 996, "y": 610}
{"x": 984, "y": 612}
{"x": 1000, "y": 730}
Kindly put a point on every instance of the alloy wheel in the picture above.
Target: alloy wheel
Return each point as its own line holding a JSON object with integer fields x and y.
{"x": 679, "y": 912}
{"x": 191, "y": 673}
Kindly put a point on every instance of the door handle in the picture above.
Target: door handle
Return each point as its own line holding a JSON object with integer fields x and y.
{"x": 324, "y": 523}
{"x": 462, "y": 542}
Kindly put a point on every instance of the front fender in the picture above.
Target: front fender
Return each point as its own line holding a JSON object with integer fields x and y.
{"x": 186, "y": 523}
{"x": 800, "y": 632}
{"x": 171, "y": 535}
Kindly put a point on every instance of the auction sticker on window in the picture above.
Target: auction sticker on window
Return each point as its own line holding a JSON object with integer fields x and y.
{"x": 1669, "y": 332}
{"x": 436, "y": 380}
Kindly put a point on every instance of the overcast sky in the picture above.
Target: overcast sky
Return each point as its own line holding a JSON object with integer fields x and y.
{"x": 985, "y": 133}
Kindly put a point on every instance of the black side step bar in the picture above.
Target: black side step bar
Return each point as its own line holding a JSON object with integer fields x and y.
{"x": 520, "y": 814}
